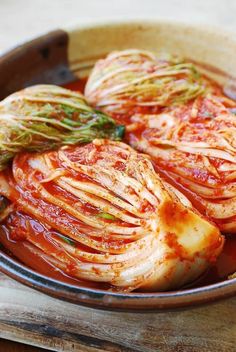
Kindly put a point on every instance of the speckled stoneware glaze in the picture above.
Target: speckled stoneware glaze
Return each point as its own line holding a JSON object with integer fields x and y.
{"x": 62, "y": 55}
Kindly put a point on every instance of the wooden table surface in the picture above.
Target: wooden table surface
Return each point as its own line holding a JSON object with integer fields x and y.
{"x": 30, "y": 317}
{"x": 10, "y": 346}
{"x": 34, "y": 318}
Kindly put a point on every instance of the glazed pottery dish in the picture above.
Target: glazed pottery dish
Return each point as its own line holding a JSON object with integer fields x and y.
{"x": 118, "y": 164}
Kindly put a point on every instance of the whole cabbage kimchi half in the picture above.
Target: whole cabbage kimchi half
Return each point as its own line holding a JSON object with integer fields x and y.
{"x": 100, "y": 213}
{"x": 181, "y": 119}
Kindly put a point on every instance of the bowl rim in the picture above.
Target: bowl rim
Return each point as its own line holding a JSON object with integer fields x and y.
{"x": 104, "y": 299}
{"x": 101, "y": 298}
{"x": 145, "y": 20}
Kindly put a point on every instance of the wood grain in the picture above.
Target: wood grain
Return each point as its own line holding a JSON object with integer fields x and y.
{"x": 31, "y": 317}
{"x": 9, "y": 346}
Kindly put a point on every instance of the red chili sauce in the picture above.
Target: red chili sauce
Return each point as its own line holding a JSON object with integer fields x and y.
{"x": 226, "y": 262}
{"x": 225, "y": 265}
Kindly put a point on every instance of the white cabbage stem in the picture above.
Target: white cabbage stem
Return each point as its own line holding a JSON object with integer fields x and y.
{"x": 99, "y": 212}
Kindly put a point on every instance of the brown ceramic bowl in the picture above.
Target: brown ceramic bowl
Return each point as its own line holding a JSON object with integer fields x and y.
{"x": 61, "y": 56}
